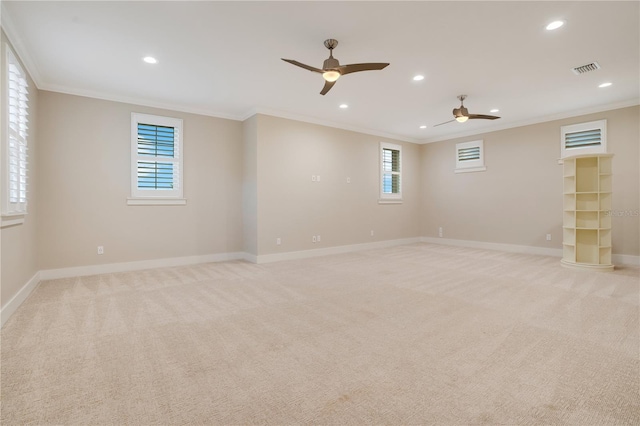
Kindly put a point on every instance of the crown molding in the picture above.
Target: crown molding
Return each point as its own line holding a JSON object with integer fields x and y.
{"x": 19, "y": 47}
{"x": 537, "y": 120}
{"x": 327, "y": 123}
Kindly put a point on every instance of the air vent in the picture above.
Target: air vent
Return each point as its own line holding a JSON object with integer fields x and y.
{"x": 586, "y": 68}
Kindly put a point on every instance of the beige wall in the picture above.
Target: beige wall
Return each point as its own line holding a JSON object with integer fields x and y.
{"x": 518, "y": 199}
{"x": 250, "y": 185}
{"x": 18, "y": 261}
{"x": 84, "y": 169}
{"x": 293, "y": 208}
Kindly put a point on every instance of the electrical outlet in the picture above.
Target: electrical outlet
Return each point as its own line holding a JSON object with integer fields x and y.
{"x": 372, "y": 232}
{"x": 348, "y": 179}
{"x": 314, "y": 239}
{"x": 440, "y": 233}
{"x": 313, "y": 178}
{"x": 548, "y": 237}
{"x": 278, "y": 241}
{"x": 100, "y": 250}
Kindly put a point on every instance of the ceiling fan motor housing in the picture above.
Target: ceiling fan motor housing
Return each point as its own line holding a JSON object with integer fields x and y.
{"x": 330, "y": 63}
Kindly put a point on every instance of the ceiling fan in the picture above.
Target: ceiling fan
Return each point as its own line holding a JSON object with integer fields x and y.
{"x": 462, "y": 114}
{"x": 332, "y": 70}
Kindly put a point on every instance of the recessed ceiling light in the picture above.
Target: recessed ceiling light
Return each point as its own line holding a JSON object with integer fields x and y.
{"x": 495, "y": 110}
{"x": 150, "y": 60}
{"x": 344, "y": 106}
{"x": 554, "y": 25}
{"x": 423, "y": 127}
{"x": 607, "y": 84}
{"x": 418, "y": 78}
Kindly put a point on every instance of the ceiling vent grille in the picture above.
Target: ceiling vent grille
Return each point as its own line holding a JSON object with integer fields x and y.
{"x": 586, "y": 68}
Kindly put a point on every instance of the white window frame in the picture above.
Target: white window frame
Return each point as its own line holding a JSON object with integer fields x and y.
{"x": 157, "y": 196}
{"x": 15, "y": 142}
{"x": 385, "y": 197}
{"x": 470, "y": 165}
{"x": 582, "y": 127}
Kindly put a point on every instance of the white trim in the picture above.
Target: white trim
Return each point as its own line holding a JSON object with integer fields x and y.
{"x": 510, "y": 248}
{"x": 11, "y": 220}
{"x": 326, "y": 123}
{"x": 625, "y": 259}
{"x": 537, "y": 120}
{"x": 470, "y": 169}
{"x": 617, "y": 259}
{"x": 18, "y": 46}
{"x": 156, "y": 201}
{"x": 109, "y": 268}
{"x": 304, "y": 254}
{"x": 12, "y": 305}
{"x": 390, "y": 201}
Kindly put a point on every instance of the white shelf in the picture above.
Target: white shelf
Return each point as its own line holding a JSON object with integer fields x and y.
{"x": 586, "y": 225}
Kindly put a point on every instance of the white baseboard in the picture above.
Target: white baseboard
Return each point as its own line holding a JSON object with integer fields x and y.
{"x": 303, "y": 254}
{"x": 625, "y": 259}
{"x": 109, "y": 268}
{"x": 617, "y": 259}
{"x": 12, "y": 305}
{"x": 511, "y": 248}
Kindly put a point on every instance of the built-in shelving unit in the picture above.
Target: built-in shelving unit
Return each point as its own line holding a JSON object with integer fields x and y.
{"x": 586, "y": 241}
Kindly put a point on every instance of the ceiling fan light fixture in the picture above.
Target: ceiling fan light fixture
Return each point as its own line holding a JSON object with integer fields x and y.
{"x": 331, "y": 75}
{"x": 462, "y": 118}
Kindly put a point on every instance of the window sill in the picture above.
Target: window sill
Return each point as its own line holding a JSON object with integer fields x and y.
{"x": 156, "y": 201}
{"x": 471, "y": 169}
{"x": 390, "y": 201}
{"x": 11, "y": 220}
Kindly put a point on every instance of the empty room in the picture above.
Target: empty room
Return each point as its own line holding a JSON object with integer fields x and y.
{"x": 320, "y": 212}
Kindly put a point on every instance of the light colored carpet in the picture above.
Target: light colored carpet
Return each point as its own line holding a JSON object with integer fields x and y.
{"x": 416, "y": 334}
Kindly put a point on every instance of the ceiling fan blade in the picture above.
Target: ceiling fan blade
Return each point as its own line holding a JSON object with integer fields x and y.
{"x": 301, "y": 65}
{"x": 327, "y": 86}
{"x": 482, "y": 116}
{"x": 373, "y": 66}
{"x": 444, "y": 123}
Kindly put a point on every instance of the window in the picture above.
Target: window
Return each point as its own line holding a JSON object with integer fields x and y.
{"x": 14, "y": 199}
{"x": 470, "y": 157}
{"x": 156, "y": 160}
{"x": 584, "y": 138}
{"x": 390, "y": 172}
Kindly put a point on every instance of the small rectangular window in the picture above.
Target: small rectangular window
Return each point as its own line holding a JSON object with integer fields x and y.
{"x": 470, "y": 157}
{"x": 15, "y": 193}
{"x": 156, "y": 160}
{"x": 584, "y": 138}
{"x": 390, "y": 171}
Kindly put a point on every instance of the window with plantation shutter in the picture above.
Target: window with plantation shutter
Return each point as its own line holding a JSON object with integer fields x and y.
{"x": 14, "y": 203}
{"x": 390, "y": 172}
{"x": 156, "y": 160}
{"x": 584, "y": 138}
{"x": 470, "y": 157}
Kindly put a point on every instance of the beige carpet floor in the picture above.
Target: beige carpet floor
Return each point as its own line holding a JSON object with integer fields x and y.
{"x": 416, "y": 334}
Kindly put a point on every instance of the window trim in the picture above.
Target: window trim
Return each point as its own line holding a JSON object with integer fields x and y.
{"x": 157, "y": 196}
{"x": 387, "y": 198}
{"x": 471, "y": 165}
{"x": 581, "y": 127}
{"x": 13, "y": 213}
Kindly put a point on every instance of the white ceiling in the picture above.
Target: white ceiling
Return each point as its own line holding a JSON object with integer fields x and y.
{"x": 223, "y": 58}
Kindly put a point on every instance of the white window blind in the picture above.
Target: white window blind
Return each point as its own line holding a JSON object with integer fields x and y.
{"x": 584, "y": 138}
{"x": 470, "y": 157}
{"x": 390, "y": 171}
{"x": 15, "y": 199}
{"x": 156, "y": 149}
